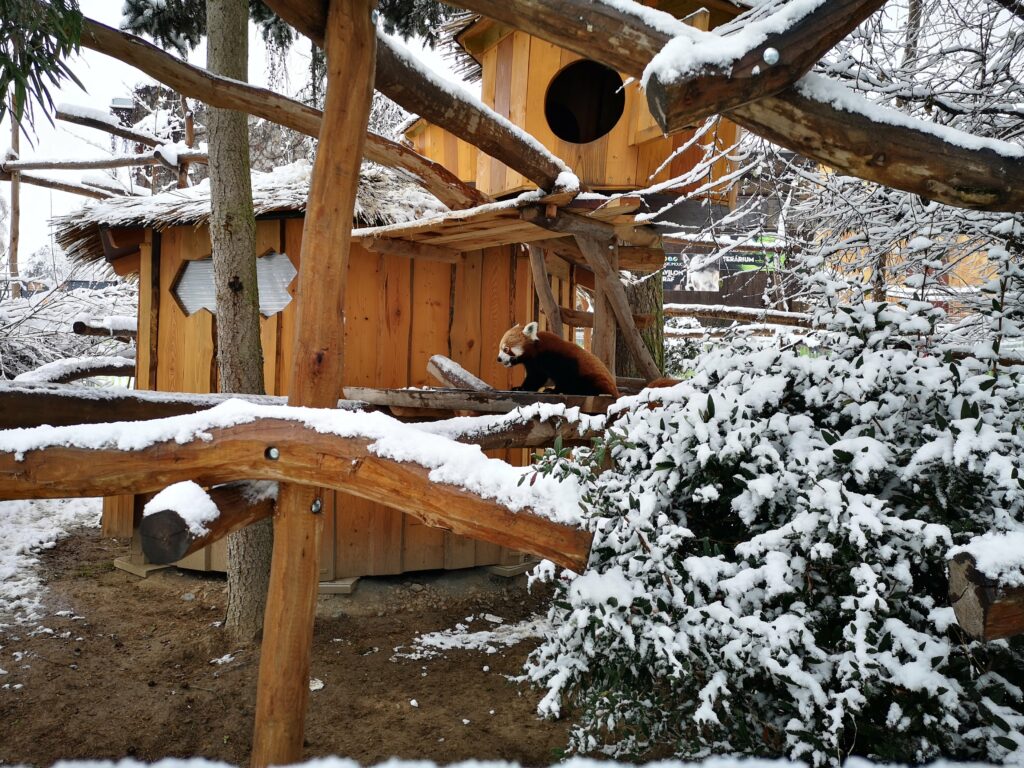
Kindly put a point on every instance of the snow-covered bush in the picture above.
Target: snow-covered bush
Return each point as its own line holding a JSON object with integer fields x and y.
{"x": 768, "y": 571}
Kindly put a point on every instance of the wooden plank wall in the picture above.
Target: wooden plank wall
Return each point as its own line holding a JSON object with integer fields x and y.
{"x": 399, "y": 312}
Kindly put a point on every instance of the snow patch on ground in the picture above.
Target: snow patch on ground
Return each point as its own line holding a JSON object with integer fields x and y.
{"x": 27, "y": 528}
{"x": 463, "y": 638}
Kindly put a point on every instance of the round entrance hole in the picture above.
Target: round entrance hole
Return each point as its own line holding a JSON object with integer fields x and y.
{"x": 584, "y": 102}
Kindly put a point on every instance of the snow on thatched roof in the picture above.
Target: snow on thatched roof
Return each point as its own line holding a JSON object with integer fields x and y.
{"x": 385, "y": 197}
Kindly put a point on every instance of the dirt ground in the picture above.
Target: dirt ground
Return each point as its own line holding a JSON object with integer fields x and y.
{"x": 127, "y": 670}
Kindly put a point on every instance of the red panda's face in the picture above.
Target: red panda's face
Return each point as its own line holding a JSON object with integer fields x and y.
{"x": 514, "y": 342}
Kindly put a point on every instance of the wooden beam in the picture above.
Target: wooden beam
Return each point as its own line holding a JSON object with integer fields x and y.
{"x": 911, "y": 159}
{"x": 60, "y": 372}
{"x": 542, "y": 287}
{"x": 60, "y": 186}
{"x": 304, "y": 455}
{"x": 283, "y": 687}
{"x": 166, "y": 537}
{"x": 783, "y": 56}
{"x": 85, "y": 328}
{"x": 580, "y": 319}
{"x": 410, "y": 249}
{"x": 903, "y": 156}
{"x": 226, "y": 93}
{"x": 25, "y": 405}
{"x": 984, "y": 609}
{"x": 739, "y": 314}
{"x": 416, "y": 91}
{"x": 113, "y": 129}
{"x": 116, "y": 161}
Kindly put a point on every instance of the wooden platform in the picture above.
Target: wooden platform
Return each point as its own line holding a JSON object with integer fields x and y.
{"x": 492, "y": 401}
{"x": 501, "y": 224}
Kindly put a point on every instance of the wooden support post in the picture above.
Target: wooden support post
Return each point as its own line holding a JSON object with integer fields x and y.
{"x": 15, "y": 226}
{"x": 606, "y": 277}
{"x": 542, "y": 285}
{"x": 283, "y": 689}
{"x": 603, "y": 340}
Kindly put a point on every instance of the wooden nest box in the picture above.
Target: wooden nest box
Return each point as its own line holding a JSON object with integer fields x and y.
{"x": 592, "y": 117}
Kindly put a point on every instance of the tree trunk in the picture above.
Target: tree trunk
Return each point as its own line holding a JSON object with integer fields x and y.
{"x": 233, "y": 239}
{"x": 15, "y": 230}
{"x": 646, "y": 296}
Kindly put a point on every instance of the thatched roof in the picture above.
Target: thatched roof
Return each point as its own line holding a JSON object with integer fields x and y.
{"x": 385, "y": 197}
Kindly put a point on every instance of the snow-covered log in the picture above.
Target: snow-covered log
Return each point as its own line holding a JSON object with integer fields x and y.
{"x": 824, "y": 122}
{"x": 75, "y": 368}
{"x": 27, "y": 405}
{"x": 739, "y": 314}
{"x": 704, "y": 74}
{"x": 93, "y": 118}
{"x": 113, "y": 326}
{"x": 60, "y": 186}
{"x": 443, "y": 483}
{"x": 183, "y": 518}
{"x": 114, "y": 161}
{"x": 445, "y": 104}
{"x": 986, "y": 586}
{"x": 230, "y": 94}
{"x": 451, "y": 374}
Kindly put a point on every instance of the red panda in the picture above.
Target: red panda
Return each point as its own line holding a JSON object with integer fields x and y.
{"x": 572, "y": 369}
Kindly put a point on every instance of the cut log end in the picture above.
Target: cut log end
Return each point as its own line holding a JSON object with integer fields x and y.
{"x": 984, "y": 609}
{"x": 165, "y": 537}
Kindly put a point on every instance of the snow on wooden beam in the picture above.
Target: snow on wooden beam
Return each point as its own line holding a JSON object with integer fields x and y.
{"x": 827, "y": 122}
{"x": 287, "y": 451}
{"x": 739, "y": 314}
{"x": 76, "y": 368}
{"x": 790, "y": 45}
{"x": 451, "y": 374}
{"x": 69, "y": 114}
{"x": 985, "y": 609}
{"x": 167, "y": 536}
{"x": 486, "y": 401}
{"x": 835, "y": 127}
{"x": 444, "y": 104}
{"x": 226, "y": 93}
{"x": 24, "y": 405}
{"x": 115, "y": 161}
{"x": 60, "y": 186}
{"x": 114, "y": 326}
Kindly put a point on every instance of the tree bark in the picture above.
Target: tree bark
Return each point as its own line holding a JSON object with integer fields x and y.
{"x": 233, "y": 240}
{"x": 646, "y": 297}
{"x": 15, "y": 230}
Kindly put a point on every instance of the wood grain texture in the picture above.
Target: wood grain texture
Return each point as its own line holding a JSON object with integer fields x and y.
{"x": 283, "y": 688}
{"x": 682, "y": 102}
{"x": 306, "y": 457}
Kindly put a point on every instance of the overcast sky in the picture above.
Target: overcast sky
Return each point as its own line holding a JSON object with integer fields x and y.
{"x": 104, "y": 79}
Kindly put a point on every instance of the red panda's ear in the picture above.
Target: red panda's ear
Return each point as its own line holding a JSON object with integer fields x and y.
{"x": 530, "y": 330}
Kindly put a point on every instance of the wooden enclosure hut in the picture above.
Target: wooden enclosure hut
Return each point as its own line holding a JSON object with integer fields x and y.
{"x": 403, "y": 305}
